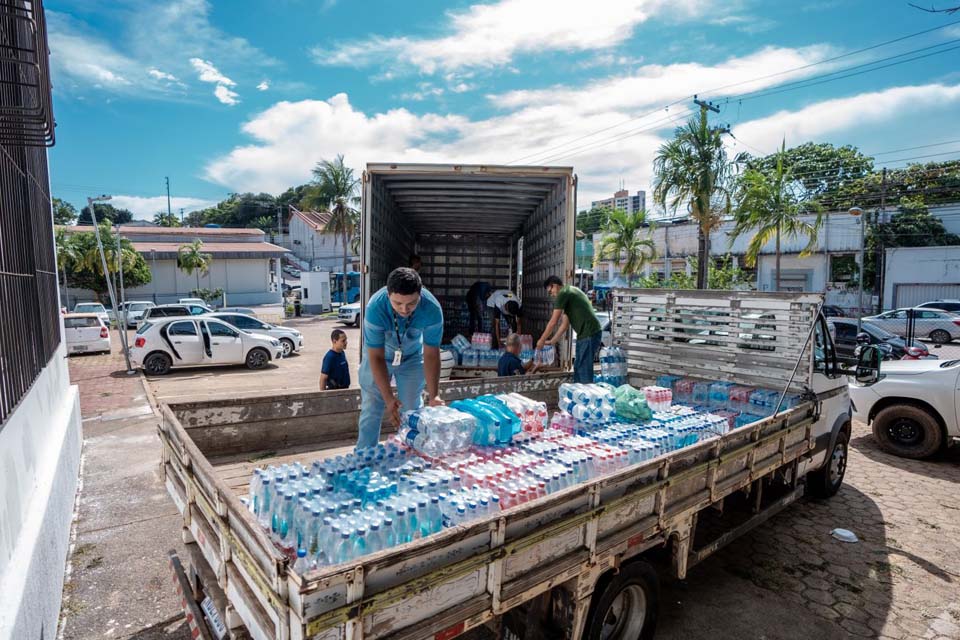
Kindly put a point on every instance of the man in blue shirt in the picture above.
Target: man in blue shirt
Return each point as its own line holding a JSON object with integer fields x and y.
{"x": 510, "y": 363}
{"x": 335, "y": 372}
{"x": 402, "y": 331}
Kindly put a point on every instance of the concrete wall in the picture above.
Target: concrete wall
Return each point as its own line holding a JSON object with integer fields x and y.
{"x": 919, "y": 265}
{"x": 324, "y": 250}
{"x": 812, "y": 269}
{"x": 39, "y": 462}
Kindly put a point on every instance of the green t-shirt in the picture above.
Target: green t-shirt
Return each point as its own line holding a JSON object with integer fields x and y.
{"x": 576, "y": 305}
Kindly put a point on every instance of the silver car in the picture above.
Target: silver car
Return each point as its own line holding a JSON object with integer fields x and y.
{"x": 936, "y": 325}
{"x": 290, "y": 339}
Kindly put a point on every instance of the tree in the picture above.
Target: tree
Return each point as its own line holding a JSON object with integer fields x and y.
{"x": 335, "y": 190}
{"x": 724, "y": 274}
{"x": 589, "y": 222}
{"x": 832, "y": 176}
{"x": 164, "y": 219}
{"x": 626, "y": 239}
{"x": 770, "y": 206}
{"x": 64, "y": 213}
{"x": 264, "y": 223}
{"x": 191, "y": 259}
{"x": 693, "y": 170}
{"x": 66, "y": 257}
{"x": 86, "y": 269}
{"x": 105, "y": 212}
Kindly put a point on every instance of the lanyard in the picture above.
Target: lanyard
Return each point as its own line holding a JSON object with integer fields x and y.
{"x": 396, "y": 327}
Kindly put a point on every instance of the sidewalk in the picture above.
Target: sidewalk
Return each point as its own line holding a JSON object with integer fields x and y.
{"x": 118, "y": 582}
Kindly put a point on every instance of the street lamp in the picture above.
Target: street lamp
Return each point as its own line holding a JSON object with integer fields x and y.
{"x": 857, "y": 212}
{"x": 106, "y": 275}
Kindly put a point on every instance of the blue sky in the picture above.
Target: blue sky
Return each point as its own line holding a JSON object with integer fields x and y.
{"x": 249, "y": 95}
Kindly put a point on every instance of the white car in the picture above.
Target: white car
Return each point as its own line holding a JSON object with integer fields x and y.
{"x": 192, "y": 301}
{"x": 93, "y": 307}
{"x": 134, "y": 311}
{"x": 85, "y": 333}
{"x": 290, "y": 339}
{"x": 912, "y": 407}
{"x": 197, "y": 342}
{"x": 349, "y": 314}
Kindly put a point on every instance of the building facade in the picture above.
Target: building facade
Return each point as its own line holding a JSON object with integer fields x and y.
{"x": 624, "y": 201}
{"x": 314, "y": 246}
{"x": 244, "y": 265}
{"x": 914, "y": 275}
{"x": 40, "y": 424}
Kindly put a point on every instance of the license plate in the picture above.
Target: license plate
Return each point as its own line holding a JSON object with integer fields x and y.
{"x": 80, "y": 347}
{"x": 213, "y": 616}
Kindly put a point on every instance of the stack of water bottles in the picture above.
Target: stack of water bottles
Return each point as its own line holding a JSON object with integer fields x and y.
{"x": 460, "y": 345}
{"x": 434, "y": 431}
{"x": 587, "y": 403}
{"x": 613, "y": 366}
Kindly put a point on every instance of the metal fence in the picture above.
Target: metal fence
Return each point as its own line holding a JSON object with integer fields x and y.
{"x": 29, "y": 316}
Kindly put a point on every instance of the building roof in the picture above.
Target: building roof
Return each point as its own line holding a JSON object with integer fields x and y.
{"x": 318, "y": 220}
{"x": 167, "y": 250}
{"x": 195, "y": 232}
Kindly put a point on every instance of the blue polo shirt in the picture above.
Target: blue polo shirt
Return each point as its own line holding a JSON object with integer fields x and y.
{"x": 381, "y": 323}
{"x": 509, "y": 365}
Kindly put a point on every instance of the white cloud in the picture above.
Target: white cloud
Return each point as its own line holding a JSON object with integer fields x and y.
{"x": 144, "y": 207}
{"x": 206, "y": 72}
{"x": 264, "y": 85}
{"x": 490, "y": 35}
{"x": 161, "y": 75}
{"x": 225, "y": 95}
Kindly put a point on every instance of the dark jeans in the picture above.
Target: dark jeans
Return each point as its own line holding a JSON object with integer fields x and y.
{"x": 477, "y": 307}
{"x": 587, "y": 349}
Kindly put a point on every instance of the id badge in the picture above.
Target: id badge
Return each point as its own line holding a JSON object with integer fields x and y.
{"x": 397, "y": 358}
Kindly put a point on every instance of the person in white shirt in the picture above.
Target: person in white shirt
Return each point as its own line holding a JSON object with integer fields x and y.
{"x": 506, "y": 305}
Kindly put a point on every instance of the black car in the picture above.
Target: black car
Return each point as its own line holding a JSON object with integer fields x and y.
{"x": 892, "y": 346}
{"x": 832, "y": 311}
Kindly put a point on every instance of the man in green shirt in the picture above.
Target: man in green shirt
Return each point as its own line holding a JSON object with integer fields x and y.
{"x": 572, "y": 308}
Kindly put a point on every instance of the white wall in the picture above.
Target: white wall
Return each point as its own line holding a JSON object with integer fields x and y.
{"x": 245, "y": 281}
{"x": 322, "y": 249}
{"x": 919, "y": 265}
{"x": 39, "y": 461}
{"x": 813, "y": 267}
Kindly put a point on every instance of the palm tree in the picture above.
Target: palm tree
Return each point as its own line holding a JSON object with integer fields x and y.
{"x": 190, "y": 259}
{"x": 335, "y": 189}
{"x": 693, "y": 170}
{"x": 769, "y": 206}
{"x": 622, "y": 241}
{"x": 66, "y": 255}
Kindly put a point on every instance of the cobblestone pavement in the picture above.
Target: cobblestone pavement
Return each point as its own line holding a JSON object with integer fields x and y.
{"x": 902, "y": 580}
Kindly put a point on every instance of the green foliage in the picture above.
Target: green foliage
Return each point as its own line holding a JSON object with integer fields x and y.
{"x": 79, "y": 257}
{"x": 164, "y": 219}
{"x": 209, "y": 296}
{"x": 723, "y": 275}
{"x": 238, "y": 211}
{"x": 933, "y": 183}
{"x": 589, "y": 222}
{"x": 623, "y": 243}
{"x": 692, "y": 171}
{"x": 191, "y": 259}
{"x": 335, "y": 189}
{"x": 105, "y": 212}
{"x": 64, "y": 213}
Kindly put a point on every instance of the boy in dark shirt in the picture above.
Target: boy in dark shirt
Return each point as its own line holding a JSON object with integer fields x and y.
{"x": 335, "y": 372}
{"x": 510, "y": 363}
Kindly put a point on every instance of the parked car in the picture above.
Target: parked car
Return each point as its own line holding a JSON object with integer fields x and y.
{"x": 134, "y": 310}
{"x": 947, "y": 305}
{"x": 912, "y": 408}
{"x": 93, "y": 307}
{"x": 199, "y": 341}
{"x": 173, "y": 311}
{"x": 349, "y": 314}
{"x": 290, "y": 339}
{"x": 939, "y": 326}
{"x": 244, "y": 310}
{"x": 199, "y": 301}
{"x": 847, "y": 342}
{"x": 832, "y": 311}
{"x": 85, "y": 333}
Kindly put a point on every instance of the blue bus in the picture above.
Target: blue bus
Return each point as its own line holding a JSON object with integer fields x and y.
{"x": 353, "y": 286}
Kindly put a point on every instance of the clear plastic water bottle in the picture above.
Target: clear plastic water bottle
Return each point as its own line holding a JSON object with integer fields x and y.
{"x": 303, "y": 564}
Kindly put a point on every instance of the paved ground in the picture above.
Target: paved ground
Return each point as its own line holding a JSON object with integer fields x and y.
{"x": 788, "y": 579}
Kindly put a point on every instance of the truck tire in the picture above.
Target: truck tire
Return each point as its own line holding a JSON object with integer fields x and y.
{"x": 825, "y": 482}
{"x": 627, "y": 607}
{"x": 157, "y": 364}
{"x": 907, "y": 431}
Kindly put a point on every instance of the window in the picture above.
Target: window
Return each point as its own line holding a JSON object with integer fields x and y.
{"x": 824, "y": 358}
{"x": 929, "y": 315}
{"x": 846, "y": 331}
{"x": 243, "y": 322}
{"x": 182, "y": 329}
{"x": 220, "y": 330}
{"x": 80, "y": 323}
{"x": 194, "y": 310}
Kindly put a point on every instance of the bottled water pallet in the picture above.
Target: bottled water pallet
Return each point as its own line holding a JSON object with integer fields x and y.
{"x": 462, "y": 577}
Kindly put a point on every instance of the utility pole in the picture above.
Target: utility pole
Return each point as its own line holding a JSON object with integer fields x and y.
{"x": 703, "y": 239}
{"x": 878, "y": 276}
{"x": 106, "y": 276}
{"x": 181, "y": 216}
{"x": 705, "y": 105}
{"x": 169, "y": 211}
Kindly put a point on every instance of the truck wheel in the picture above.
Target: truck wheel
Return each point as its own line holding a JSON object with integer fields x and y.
{"x": 940, "y": 336}
{"x": 157, "y": 364}
{"x": 825, "y": 481}
{"x": 257, "y": 358}
{"x": 627, "y": 607}
{"x": 907, "y": 431}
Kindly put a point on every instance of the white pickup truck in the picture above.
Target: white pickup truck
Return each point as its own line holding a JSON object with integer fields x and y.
{"x": 912, "y": 407}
